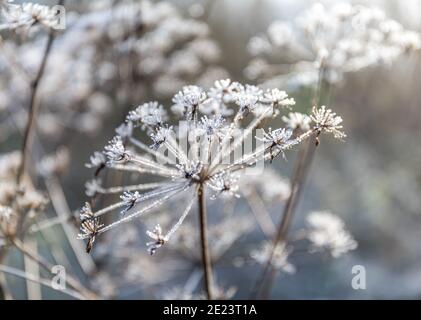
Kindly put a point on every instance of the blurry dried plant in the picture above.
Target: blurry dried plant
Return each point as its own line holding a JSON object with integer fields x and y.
{"x": 338, "y": 39}
{"x": 111, "y": 56}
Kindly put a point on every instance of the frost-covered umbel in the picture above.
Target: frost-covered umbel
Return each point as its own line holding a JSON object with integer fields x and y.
{"x": 341, "y": 38}
{"x": 327, "y": 232}
{"x": 116, "y": 55}
{"x": 26, "y": 15}
{"x": 193, "y": 154}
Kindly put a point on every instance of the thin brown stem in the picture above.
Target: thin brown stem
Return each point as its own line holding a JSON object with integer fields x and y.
{"x": 206, "y": 258}
{"x": 33, "y": 107}
{"x": 300, "y": 174}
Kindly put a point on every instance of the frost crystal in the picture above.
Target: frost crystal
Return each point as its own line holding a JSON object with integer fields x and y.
{"x": 129, "y": 199}
{"x": 158, "y": 237}
{"x": 89, "y": 226}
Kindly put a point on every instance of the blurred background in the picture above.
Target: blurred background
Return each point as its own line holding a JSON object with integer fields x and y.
{"x": 372, "y": 180}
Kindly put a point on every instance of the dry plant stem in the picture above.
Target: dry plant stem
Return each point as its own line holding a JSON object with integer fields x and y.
{"x": 206, "y": 259}
{"x": 305, "y": 157}
{"x": 47, "y": 266}
{"x": 302, "y": 171}
{"x": 33, "y": 108}
{"x": 283, "y": 225}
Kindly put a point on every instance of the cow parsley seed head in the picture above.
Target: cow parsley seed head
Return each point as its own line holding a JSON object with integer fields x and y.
{"x": 225, "y": 185}
{"x": 211, "y": 126}
{"x": 148, "y": 115}
{"x": 297, "y": 121}
{"x": 186, "y": 102}
{"x": 279, "y": 259}
{"x": 89, "y": 226}
{"x": 247, "y": 101}
{"x": 116, "y": 152}
{"x": 160, "y": 136}
{"x": 326, "y": 120}
{"x": 339, "y": 39}
{"x": 327, "y": 232}
{"x": 129, "y": 200}
{"x": 278, "y": 139}
{"x": 179, "y": 162}
{"x": 278, "y": 98}
{"x": 27, "y": 15}
{"x": 93, "y": 186}
{"x": 125, "y": 130}
{"x": 222, "y": 87}
{"x": 158, "y": 239}
{"x": 191, "y": 170}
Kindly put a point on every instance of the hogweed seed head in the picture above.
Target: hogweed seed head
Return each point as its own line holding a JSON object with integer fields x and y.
{"x": 340, "y": 38}
{"x": 116, "y": 151}
{"x": 158, "y": 239}
{"x": 326, "y": 120}
{"x": 89, "y": 226}
{"x": 204, "y": 150}
{"x": 327, "y": 232}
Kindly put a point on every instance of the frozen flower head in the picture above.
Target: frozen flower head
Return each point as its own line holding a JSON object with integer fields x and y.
{"x": 148, "y": 115}
{"x": 89, "y": 226}
{"x": 326, "y": 120}
{"x": 327, "y": 232}
{"x": 129, "y": 199}
{"x": 225, "y": 184}
{"x": 279, "y": 140}
{"x": 158, "y": 239}
{"x": 204, "y": 152}
{"x": 116, "y": 151}
{"x": 297, "y": 121}
{"x": 340, "y": 38}
{"x": 187, "y": 101}
{"x": 27, "y": 15}
{"x": 56, "y": 163}
{"x": 278, "y": 256}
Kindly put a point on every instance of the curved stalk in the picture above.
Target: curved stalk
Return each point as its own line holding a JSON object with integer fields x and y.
{"x": 206, "y": 258}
